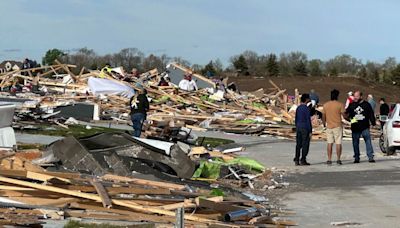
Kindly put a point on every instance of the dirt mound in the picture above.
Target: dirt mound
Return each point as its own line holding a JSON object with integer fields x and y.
{"x": 322, "y": 85}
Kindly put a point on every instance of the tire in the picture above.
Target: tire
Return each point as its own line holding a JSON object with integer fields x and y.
{"x": 382, "y": 145}
{"x": 390, "y": 150}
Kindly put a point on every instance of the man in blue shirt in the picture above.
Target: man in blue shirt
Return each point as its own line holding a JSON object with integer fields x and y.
{"x": 303, "y": 131}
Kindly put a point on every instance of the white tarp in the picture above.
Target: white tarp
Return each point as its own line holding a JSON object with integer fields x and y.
{"x": 106, "y": 86}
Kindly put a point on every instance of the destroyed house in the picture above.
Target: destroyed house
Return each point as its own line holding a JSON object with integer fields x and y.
{"x": 10, "y": 65}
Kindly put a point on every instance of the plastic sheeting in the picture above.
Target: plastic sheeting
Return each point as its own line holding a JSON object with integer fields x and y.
{"x": 106, "y": 86}
{"x": 211, "y": 169}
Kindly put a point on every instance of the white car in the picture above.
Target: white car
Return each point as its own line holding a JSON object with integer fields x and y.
{"x": 390, "y": 137}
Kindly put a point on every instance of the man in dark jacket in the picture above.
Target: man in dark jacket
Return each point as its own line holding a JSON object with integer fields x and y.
{"x": 303, "y": 131}
{"x": 139, "y": 106}
{"x": 383, "y": 112}
{"x": 361, "y": 116}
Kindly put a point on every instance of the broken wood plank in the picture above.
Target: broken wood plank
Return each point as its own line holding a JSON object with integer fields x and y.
{"x": 97, "y": 198}
{"x": 111, "y": 177}
{"x": 142, "y": 216}
{"x": 105, "y": 199}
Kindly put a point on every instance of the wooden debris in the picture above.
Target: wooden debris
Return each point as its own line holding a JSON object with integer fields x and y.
{"x": 57, "y": 195}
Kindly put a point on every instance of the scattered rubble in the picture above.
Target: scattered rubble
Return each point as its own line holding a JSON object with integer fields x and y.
{"x": 31, "y": 193}
{"x": 97, "y": 176}
{"x": 54, "y": 94}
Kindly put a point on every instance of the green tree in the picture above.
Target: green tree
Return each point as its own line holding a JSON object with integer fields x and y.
{"x": 272, "y": 65}
{"x": 344, "y": 64}
{"x": 315, "y": 66}
{"x": 151, "y": 62}
{"x": 387, "y": 68}
{"x": 219, "y": 67}
{"x": 333, "y": 71}
{"x": 363, "y": 72}
{"x": 293, "y": 63}
{"x": 396, "y": 74}
{"x": 51, "y": 55}
{"x": 373, "y": 70}
{"x": 209, "y": 69}
{"x": 300, "y": 68}
{"x": 240, "y": 64}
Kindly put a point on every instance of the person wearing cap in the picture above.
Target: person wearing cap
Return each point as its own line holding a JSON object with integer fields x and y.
{"x": 350, "y": 99}
{"x": 303, "y": 131}
{"x": 187, "y": 83}
{"x": 139, "y": 105}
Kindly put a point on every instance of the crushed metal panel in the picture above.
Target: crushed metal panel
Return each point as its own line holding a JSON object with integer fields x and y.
{"x": 80, "y": 111}
{"x": 126, "y": 146}
{"x": 74, "y": 156}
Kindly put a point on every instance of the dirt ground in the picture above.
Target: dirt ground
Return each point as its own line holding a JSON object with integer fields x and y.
{"x": 322, "y": 85}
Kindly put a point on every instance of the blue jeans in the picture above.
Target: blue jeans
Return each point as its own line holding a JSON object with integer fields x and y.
{"x": 368, "y": 144}
{"x": 137, "y": 123}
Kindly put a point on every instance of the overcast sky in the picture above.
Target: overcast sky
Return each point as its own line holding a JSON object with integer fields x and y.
{"x": 200, "y": 30}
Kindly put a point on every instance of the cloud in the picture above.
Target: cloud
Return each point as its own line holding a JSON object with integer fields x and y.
{"x": 12, "y": 50}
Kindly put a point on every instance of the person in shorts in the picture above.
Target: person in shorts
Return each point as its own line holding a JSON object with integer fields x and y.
{"x": 332, "y": 120}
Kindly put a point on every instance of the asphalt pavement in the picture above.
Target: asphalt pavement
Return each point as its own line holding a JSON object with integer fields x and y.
{"x": 367, "y": 194}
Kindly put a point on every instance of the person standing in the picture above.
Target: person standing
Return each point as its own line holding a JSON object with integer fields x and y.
{"x": 187, "y": 83}
{"x": 349, "y": 99}
{"x": 383, "y": 112}
{"x": 314, "y": 98}
{"x": 372, "y": 102}
{"x": 139, "y": 105}
{"x": 361, "y": 117}
{"x": 163, "y": 82}
{"x": 303, "y": 131}
{"x": 332, "y": 120}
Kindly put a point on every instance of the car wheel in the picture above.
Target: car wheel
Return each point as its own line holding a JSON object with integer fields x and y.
{"x": 390, "y": 150}
{"x": 382, "y": 145}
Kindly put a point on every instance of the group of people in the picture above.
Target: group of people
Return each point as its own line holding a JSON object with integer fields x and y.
{"x": 358, "y": 111}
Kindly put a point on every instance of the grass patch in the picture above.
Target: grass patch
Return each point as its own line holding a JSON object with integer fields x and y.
{"x": 212, "y": 142}
{"x": 77, "y": 131}
{"x": 29, "y": 146}
{"x": 77, "y": 224}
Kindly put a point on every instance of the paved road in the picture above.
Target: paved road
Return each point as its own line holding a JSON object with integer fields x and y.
{"x": 364, "y": 193}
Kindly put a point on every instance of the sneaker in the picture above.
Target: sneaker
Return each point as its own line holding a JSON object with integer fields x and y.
{"x": 339, "y": 162}
{"x": 304, "y": 163}
{"x": 357, "y": 161}
{"x": 329, "y": 162}
{"x": 371, "y": 160}
{"x": 296, "y": 163}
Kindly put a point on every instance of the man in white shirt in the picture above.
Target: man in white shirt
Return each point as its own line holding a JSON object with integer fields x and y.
{"x": 187, "y": 83}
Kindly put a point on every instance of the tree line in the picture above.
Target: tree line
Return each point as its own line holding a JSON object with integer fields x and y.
{"x": 128, "y": 58}
{"x": 297, "y": 64}
{"x": 248, "y": 63}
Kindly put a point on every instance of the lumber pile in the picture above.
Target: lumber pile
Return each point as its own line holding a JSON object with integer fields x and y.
{"x": 57, "y": 86}
{"x": 30, "y": 194}
{"x": 217, "y": 107}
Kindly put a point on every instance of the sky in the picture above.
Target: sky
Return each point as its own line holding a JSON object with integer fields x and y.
{"x": 202, "y": 30}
